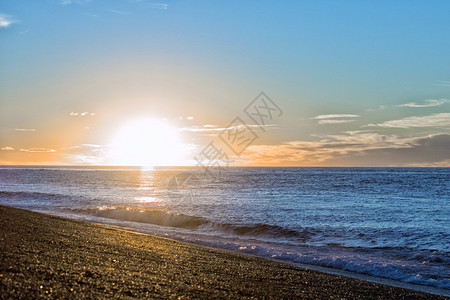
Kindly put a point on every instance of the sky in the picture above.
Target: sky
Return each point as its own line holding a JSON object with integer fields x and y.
{"x": 120, "y": 82}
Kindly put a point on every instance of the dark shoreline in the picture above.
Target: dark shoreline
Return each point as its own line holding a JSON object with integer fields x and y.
{"x": 43, "y": 255}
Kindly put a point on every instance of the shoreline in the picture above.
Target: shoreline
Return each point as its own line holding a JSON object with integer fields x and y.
{"x": 48, "y": 255}
{"x": 330, "y": 270}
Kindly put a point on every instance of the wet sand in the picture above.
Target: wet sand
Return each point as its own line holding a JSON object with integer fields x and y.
{"x": 43, "y": 255}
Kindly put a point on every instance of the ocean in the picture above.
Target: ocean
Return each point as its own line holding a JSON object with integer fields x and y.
{"x": 387, "y": 222}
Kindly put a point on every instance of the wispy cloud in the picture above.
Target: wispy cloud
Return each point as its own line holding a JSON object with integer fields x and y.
{"x": 83, "y": 146}
{"x": 119, "y": 12}
{"x": 157, "y": 5}
{"x": 37, "y": 150}
{"x": 68, "y": 2}
{"x": 216, "y": 128}
{"x": 25, "y": 129}
{"x": 7, "y": 148}
{"x": 86, "y": 154}
{"x": 6, "y": 20}
{"x": 381, "y": 107}
{"x": 426, "y": 103}
{"x": 435, "y": 120}
{"x": 81, "y": 114}
{"x": 335, "y": 118}
{"x": 91, "y": 15}
{"x": 323, "y": 122}
{"x": 319, "y": 117}
{"x": 204, "y": 128}
{"x": 443, "y": 83}
{"x": 355, "y": 132}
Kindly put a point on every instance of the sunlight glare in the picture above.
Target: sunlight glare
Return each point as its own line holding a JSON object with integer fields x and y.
{"x": 147, "y": 143}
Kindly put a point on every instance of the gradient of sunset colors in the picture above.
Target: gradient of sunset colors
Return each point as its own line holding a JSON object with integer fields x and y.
{"x": 137, "y": 82}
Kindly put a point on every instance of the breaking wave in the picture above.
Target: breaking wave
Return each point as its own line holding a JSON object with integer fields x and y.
{"x": 156, "y": 217}
{"x": 178, "y": 220}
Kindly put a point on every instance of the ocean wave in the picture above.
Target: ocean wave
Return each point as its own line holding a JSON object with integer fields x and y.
{"x": 26, "y": 196}
{"x": 156, "y": 217}
{"x": 172, "y": 219}
{"x": 262, "y": 230}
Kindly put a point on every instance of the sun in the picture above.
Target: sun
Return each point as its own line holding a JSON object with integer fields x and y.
{"x": 147, "y": 143}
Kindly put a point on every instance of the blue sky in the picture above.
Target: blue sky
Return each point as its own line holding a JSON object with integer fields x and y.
{"x": 360, "y": 82}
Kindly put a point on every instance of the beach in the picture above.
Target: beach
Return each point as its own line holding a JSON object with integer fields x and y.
{"x": 48, "y": 256}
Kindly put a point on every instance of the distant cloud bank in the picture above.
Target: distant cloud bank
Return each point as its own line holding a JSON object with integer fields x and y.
{"x": 362, "y": 148}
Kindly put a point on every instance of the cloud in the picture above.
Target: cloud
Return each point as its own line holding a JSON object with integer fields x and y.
{"x": 354, "y": 132}
{"x": 381, "y": 107}
{"x": 7, "y": 148}
{"x": 443, "y": 83}
{"x": 436, "y": 164}
{"x": 84, "y": 146}
{"x": 37, "y": 150}
{"x": 68, "y": 2}
{"x": 86, "y": 154}
{"x": 428, "y": 150}
{"x": 435, "y": 120}
{"x": 204, "y": 128}
{"x": 335, "y": 118}
{"x": 6, "y": 20}
{"x": 426, "y": 103}
{"x": 92, "y": 146}
{"x": 25, "y": 129}
{"x": 359, "y": 149}
{"x": 319, "y": 117}
{"x": 323, "y": 122}
{"x": 81, "y": 114}
{"x": 157, "y": 5}
{"x": 119, "y": 12}
{"x": 216, "y": 128}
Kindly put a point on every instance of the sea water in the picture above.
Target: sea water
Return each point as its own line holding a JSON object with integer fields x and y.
{"x": 385, "y": 222}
